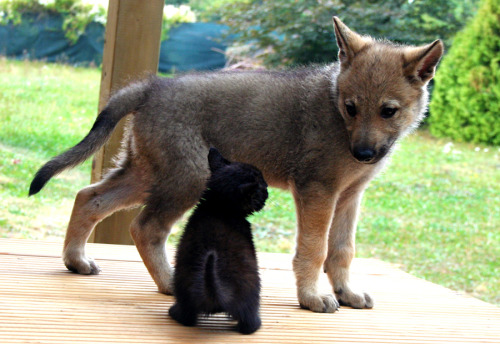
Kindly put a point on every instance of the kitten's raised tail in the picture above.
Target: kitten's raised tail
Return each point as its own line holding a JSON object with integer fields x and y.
{"x": 213, "y": 285}
{"x": 125, "y": 101}
{"x": 211, "y": 280}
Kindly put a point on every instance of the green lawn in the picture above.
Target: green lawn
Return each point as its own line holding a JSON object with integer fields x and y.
{"x": 435, "y": 211}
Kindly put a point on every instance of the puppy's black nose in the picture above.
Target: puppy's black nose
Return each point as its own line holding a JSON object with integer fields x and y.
{"x": 363, "y": 154}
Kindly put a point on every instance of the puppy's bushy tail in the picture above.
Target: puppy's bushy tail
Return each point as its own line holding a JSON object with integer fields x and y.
{"x": 120, "y": 104}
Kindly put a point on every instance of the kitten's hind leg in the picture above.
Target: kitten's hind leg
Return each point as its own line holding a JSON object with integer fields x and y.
{"x": 249, "y": 323}
{"x": 247, "y": 315}
{"x": 187, "y": 316}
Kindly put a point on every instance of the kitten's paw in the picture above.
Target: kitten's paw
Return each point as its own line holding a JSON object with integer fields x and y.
{"x": 347, "y": 297}
{"x": 183, "y": 317}
{"x": 320, "y": 303}
{"x": 249, "y": 327}
{"x": 82, "y": 265}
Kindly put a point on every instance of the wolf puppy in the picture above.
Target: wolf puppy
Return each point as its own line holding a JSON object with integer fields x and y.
{"x": 215, "y": 265}
{"x": 322, "y": 133}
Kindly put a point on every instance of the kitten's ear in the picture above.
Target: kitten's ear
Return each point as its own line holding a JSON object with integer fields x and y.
{"x": 247, "y": 188}
{"x": 216, "y": 160}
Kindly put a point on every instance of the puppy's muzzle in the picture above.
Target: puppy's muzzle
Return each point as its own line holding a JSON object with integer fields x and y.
{"x": 364, "y": 154}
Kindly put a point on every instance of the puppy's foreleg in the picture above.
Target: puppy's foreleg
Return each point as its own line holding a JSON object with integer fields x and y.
{"x": 150, "y": 232}
{"x": 341, "y": 248}
{"x": 314, "y": 215}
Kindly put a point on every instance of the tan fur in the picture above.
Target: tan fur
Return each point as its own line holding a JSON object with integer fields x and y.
{"x": 294, "y": 126}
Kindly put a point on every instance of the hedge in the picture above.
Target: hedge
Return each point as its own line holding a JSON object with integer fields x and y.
{"x": 465, "y": 102}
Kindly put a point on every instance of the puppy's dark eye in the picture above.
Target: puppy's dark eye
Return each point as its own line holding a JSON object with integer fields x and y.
{"x": 351, "y": 109}
{"x": 388, "y": 112}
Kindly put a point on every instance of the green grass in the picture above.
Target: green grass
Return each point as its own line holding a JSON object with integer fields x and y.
{"x": 434, "y": 211}
{"x": 44, "y": 109}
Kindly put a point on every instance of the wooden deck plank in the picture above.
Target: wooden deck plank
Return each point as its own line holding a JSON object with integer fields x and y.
{"x": 41, "y": 302}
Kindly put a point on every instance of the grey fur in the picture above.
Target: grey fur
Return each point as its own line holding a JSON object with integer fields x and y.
{"x": 123, "y": 102}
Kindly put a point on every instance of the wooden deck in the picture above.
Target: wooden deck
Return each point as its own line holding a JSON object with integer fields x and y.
{"x": 41, "y": 302}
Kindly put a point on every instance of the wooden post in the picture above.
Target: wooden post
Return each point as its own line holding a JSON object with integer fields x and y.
{"x": 131, "y": 51}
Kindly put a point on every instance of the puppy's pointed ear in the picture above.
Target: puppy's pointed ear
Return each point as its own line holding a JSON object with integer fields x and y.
{"x": 216, "y": 160}
{"x": 420, "y": 62}
{"x": 349, "y": 42}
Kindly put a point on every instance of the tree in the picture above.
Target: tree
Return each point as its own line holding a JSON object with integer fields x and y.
{"x": 425, "y": 20}
{"x": 466, "y": 98}
{"x": 300, "y": 31}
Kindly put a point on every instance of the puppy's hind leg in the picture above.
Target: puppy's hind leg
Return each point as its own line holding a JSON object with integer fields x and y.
{"x": 120, "y": 189}
{"x": 151, "y": 227}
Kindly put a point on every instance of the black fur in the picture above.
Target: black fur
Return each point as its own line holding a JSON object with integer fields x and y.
{"x": 216, "y": 265}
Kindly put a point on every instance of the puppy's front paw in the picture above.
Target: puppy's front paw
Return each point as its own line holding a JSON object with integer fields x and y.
{"x": 82, "y": 265}
{"x": 320, "y": 303}
{"x": 347, "y": 297}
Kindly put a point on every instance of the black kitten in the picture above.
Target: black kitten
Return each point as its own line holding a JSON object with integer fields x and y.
{"x": 216, "y": 266}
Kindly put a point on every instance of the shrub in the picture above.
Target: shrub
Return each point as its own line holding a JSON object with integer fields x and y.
{"x": 466, "y": 98}
{"x": 174, "y": 15}
{"x": 77, "y": 14}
